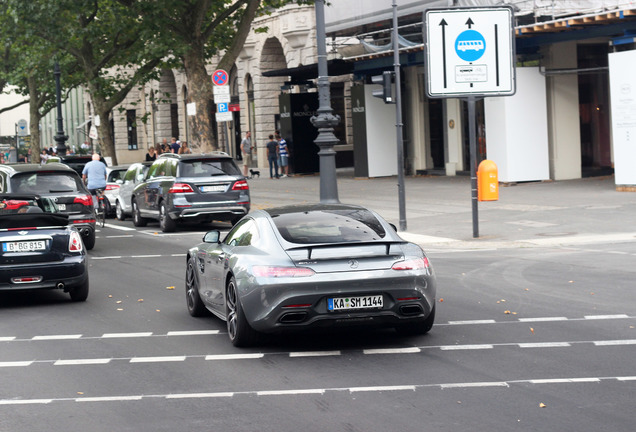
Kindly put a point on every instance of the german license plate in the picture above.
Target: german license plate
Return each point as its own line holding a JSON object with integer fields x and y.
{"x": 348, "y": 303}
{"x": 24, "y": 246}
{"x": 61, "y": 207}
{"x": 215, "y": 188}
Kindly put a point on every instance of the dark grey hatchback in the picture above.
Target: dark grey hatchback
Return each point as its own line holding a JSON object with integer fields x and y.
{"x": 195, "y": 187}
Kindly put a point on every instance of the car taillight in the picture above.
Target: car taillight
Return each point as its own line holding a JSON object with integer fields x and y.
{"x": 181, "y": 188}
{"x": 412, "y": 264}
{"x": 240, "y": 185}
{"x": 14, "y": 204}
{"x": 270, "y": 271}
{"x": 86, "y": 200}
{"x": 75, "y": 242}
{"x": 112, "y": 187}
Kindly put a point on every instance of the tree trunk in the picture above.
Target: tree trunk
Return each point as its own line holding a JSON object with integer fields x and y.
{"x": 104, "y": 132}
{"x": 34, "y": 120}
{"x": 200, "y": 92}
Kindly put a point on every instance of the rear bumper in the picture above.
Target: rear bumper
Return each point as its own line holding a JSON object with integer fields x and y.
{"x": 66, "y": 274}
{"x": 221, "y": 212}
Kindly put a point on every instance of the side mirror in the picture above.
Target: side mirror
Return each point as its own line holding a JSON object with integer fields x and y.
{"x": 212, "y": 236}
{"x": 119, "y": 181}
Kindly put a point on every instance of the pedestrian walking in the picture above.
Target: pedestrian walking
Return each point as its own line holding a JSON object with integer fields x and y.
{"x": 272, "y": 157}
{"x": 283, "y": 154}
{"x": 246, "y": 151}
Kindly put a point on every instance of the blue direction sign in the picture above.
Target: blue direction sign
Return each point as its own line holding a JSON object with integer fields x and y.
{"x": 220, "y": 77}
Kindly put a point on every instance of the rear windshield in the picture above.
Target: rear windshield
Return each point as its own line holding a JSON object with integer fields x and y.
{"x": 329, "y": 226}
{"x": 208, "y": 167}
{"x": 43, "y": 183}
{"x": 115, "y": 175}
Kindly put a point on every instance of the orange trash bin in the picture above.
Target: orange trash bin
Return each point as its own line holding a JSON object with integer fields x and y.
{"x": 487, "y": 181}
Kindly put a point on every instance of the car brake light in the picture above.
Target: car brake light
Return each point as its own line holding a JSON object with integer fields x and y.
{"x": 412, "y": 264}
{"x": 181, "y": 188}
{"x": 270, "y": 271}
{"x": 14, "y": 204}
{"x": 75, "y": 242}
{"x": 240, "y": 185}
{"x": 112, "y": 187}
{"x": 86, "y": 200}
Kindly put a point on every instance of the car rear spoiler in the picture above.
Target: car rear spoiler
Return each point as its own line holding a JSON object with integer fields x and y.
{"x": 311, "y": 247}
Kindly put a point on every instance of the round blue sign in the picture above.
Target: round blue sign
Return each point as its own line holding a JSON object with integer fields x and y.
{"x": 470, "y": 45}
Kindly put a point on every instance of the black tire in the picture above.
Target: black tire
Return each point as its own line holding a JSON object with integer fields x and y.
{"x": 119, "y": 212}
{"x": 89, "y": 241}
{"x": 419, "y": 328}
{"x": 80, "y": 293}
{"x": 165, "y": 222}
{"x": 138, "y": 221}
{"x": 193, "y": 299}
{"x": 238, "y": 329}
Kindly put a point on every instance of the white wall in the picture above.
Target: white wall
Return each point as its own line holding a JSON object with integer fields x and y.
{"x": 623, "y": 102}
{"x": 9, "y": 119}
{"x": 381, "y": 135}
{"x": 517, "y": 130}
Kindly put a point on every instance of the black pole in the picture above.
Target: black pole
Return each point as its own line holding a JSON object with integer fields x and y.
{"x": 60, "y": 138}
{"x": 398, "y": 120}
{"x": 325, "y": 120}
{"x": 472, "y": 131}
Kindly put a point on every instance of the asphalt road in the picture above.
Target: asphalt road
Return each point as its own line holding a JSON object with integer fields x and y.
{"x": 526, "y": 338}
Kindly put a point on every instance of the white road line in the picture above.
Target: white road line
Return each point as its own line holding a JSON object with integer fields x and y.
{"x": 409, "y": 350}
{"x": 157, "y": 359}
{"x": 465, "y": 347}
{"x": 234, "y": 356}
{"x": 57, "y": 337}
{"x": 178, "y": 255}
{"x": 289, "y": 392}
{"x": 25, "y": 401}
{"x": 119, "y": 227}
{"x": 16, "y": 364}
{"x": 7, "y": 338}
{"x": 109, "y": 399}
{"x": 82, "y": 362}
{"x": 604, "y": 317}
{"x": 314, "y": 354}
{"x": 489, "y": 321}
{"x": 615, "y": 342}
{"x": 543, "y": 319}
{"x": 119, "y": 236}
{"x": 126, "y": 335}
{"x": 544, "y": 345}
{"x": 199, "y": 395}
{"x": 106, "y": 257}
{"x": 627, "y": 378}
{"x": 475, "y": 384}
{"x": 145, "y": 256}
{"x": 564, "y": 380}
{"x": 193, "y": 333}
{"x": 382, "y": 388}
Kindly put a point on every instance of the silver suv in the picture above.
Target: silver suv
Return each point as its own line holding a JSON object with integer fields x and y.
{"x": 194, "y": 187}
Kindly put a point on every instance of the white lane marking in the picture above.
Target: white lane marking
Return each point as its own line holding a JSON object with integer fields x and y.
{"x": 157, "y": 359}
{"x": 488, "y": 321}
{"x": 199, "y": 395}
{"x": 109, "y": 399}
{"x": 543, "y": 319}
{"x": 126, "y": 335}
{"x": 409, "y": 350}
{"x": 475, "y": 384}
{"x": 615, "y": 342}
{"x": 119, "y": 227}
{"x": 465, "y": 347}
{"x": 582, "y": 239}
{"x": 119, "y": 236}
{"x": 193, "y": 333}
{"x": 314, "y": 353}
{"x": 7, "y": 338}
{"x": 178, "y": 255}
{"x": 77, "y": 362}
{"x": 289, "y": 392}
{"x": 106, "y": 257}
{"x": 312, "y": 391}
{"x": 145, "y": 256}
{"x": 234, "y": 356}
{"x": 605, "y": 317}
{"x": 16, "y": 363}
{"x": 57, "y": 337}
{"x": 564, "y": 380}
{"x": 544, "y": 345}
{"x": 382, "y": 388}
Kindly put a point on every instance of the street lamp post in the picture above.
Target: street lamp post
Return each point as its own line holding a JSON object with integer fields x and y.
{"x": 60, "y": 138}
{"x": 325, "y": 121}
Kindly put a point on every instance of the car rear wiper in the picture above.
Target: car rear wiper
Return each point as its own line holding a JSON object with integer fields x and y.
{"x": 60, "y": 190}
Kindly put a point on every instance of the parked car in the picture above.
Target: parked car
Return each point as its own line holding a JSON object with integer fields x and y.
{"x": 39, "y": 249}
{"x": 132, "y": 178}
{"x": 76, "y": 162}
{"x": 60, "y": 183}
{"x": 114, "y": 180}
{"x": 198, "y": 188}
{"x": 310, "y": 266}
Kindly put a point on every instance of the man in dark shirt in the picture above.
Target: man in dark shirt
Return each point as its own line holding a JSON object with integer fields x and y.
{"x": 174, "y": 145}
{"x": 272, "y": 156}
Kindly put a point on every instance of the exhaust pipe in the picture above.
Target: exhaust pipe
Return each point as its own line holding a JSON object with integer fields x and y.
{"x": 293, "y": 317}
{"x": 60, "y": 285}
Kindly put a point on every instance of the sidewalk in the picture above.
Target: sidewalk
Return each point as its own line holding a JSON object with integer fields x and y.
{"x": 439, "y": 209}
